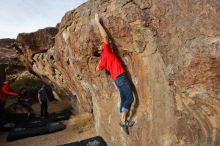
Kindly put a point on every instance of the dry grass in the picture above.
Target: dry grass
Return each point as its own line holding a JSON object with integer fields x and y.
{"x": 81, "y": 121}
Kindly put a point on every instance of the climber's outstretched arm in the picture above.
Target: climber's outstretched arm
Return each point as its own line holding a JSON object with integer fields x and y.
{"x": 101, "y": 29}
{"x": 7, "y": 91}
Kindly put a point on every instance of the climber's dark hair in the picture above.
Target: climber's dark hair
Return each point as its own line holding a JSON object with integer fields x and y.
{"x": 95, "y": 52}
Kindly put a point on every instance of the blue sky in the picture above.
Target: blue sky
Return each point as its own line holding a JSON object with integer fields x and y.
{"x": 17, "y": 16}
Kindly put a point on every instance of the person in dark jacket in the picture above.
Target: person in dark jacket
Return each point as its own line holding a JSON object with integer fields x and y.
{"x": 42, "y": 98}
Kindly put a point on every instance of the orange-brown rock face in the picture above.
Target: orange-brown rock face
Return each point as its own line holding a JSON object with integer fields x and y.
{"x": 37, "y": 54}
{"x": 30, "y": 44}
{"x": 171, "y": 50}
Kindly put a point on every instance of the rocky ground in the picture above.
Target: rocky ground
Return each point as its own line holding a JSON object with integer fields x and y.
{"x": 73, "y": 132}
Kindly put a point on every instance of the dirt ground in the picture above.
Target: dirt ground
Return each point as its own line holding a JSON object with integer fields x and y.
{"x": 70, "y": 134}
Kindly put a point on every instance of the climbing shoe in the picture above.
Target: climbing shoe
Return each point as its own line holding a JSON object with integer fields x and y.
{"x": 124, "y": 128}
{"x": 129, "y": 123}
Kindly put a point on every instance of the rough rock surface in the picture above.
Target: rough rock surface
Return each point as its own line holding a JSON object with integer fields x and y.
{"x": 9, "y": 60}
{"x": 171, "y": 50}
{"x": 36, "y": 51}
{"x": 31, "y": 44}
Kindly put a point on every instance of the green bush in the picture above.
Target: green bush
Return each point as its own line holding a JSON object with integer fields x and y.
{"x": 27, "y": 82}
{"x": 31, "y": 86}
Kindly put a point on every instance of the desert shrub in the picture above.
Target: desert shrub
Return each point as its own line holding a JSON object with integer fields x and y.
{"x": 31, "y": 86}
{"x": 27, "y": 82}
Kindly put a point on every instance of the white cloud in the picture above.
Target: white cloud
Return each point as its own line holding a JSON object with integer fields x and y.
{"x": 19, "y": 16}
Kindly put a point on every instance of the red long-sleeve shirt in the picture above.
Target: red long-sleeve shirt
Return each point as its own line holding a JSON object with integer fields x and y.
{"x": 5, "y": 90}
{"x": 110, "y": 62}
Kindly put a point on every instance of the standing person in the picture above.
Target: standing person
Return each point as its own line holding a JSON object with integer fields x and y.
{"x": 42, "y": 97}
{"x": 111, "y": 63}
{"x": 5, "y": 91}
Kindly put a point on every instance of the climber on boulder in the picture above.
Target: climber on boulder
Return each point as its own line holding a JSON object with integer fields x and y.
{"x": 5, "y": 91}
{"x": 111, "y": 63}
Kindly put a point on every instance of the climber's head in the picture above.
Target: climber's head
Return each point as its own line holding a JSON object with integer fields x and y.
{"x": 97, "y": 51}
{"x": 100, "y": 48}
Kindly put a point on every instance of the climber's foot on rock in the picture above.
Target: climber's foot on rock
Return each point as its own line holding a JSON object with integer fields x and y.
{"x": 129, "y": 123}
{"x": 124, "y": 127}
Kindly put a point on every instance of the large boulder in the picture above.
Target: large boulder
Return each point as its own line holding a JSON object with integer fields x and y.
{"x": 36, "y": 51}
{"x": 8, "y": 55}
{"x": 30, "y": 44}
{"x": 170, "y": 50}
{"x": 10, "y": 65}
